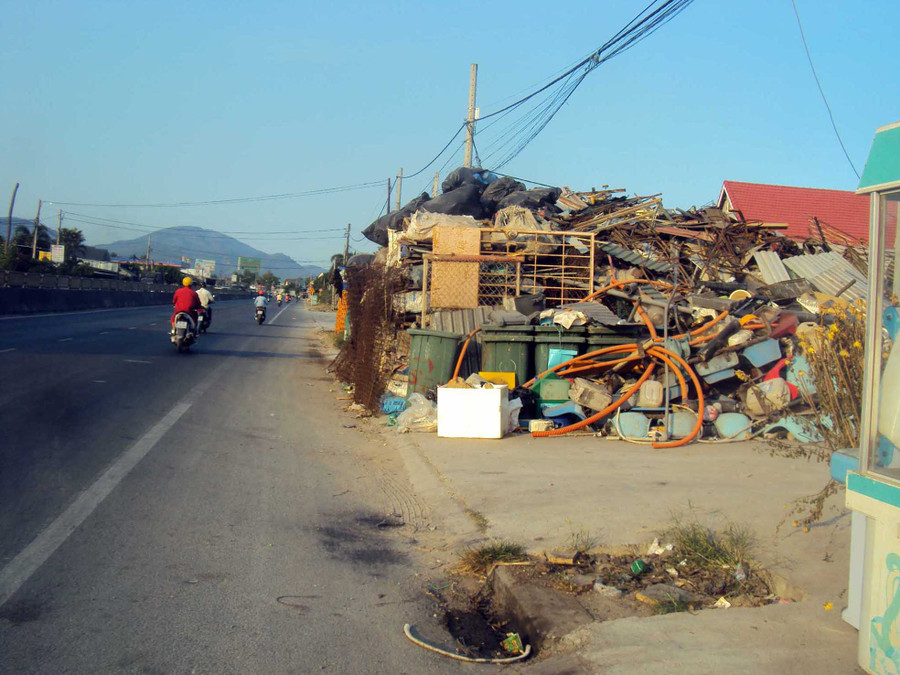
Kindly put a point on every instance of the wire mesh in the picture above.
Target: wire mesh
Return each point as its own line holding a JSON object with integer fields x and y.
{"x": 369, "y": 356}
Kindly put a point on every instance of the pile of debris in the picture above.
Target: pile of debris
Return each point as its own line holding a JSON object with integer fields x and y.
{"x": 602, "y": 312}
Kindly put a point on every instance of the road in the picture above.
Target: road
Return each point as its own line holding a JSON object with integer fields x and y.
{"x": 207, "y": 512}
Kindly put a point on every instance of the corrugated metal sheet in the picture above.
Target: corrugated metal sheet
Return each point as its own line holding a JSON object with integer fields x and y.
{"x": 770, "y": 267}
{"x": 460, "y": 321}
{"x": 636, "y": 259}
{"x": 595, "y": 311}
{"x": 829, "y": 273}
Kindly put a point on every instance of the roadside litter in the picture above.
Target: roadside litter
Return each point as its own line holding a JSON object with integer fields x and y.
{"x": 492, "y": 309}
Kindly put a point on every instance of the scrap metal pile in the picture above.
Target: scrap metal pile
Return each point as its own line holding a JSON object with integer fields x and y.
{"x": 615, "y": 314}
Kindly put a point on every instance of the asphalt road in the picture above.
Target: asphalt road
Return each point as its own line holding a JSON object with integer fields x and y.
{"x": 209, "y": 512}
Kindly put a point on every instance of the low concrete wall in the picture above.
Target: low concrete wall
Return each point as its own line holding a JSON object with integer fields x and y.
{"x": 21, "y": 300}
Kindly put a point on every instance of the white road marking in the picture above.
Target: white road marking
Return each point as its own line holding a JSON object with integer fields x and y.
{"x": 104, "y": 332}
{"x": 64, "y": 339}
{"x": 100, "y": 381}
{"x": 153, "y": 324}
{"x": 29, "y": 560}
{"x": 279, "y": 314}
{"x": 11, "y": 349}
{"x": 133, "y": 328}
{"x": 136, "y": 361}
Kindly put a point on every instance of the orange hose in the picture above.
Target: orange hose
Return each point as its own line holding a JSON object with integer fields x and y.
{"x": 700, "y": 405}
{"x": 682, "y": 383}
{"x": 600, "y": 415}
{"x": 612, "y": 349}
{"x": 647, "y": 322}
{"x": 462, "y": 352}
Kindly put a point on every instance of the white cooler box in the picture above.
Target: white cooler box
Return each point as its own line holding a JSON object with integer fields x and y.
{"x": 472, "y": 413}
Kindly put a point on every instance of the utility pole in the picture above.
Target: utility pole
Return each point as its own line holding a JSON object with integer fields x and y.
{"x": 389, "y": 196}
{"x": 346, "y": 244}
{"x": 59, "y": 228}
{"x": 470, "y": 118}
{"x": 37, "y": 223}
{"x": 148, "y": 254}
{"x": 12, "y": 203}
{"x": 434, "y": 187}
{"x": 399, "y": 186}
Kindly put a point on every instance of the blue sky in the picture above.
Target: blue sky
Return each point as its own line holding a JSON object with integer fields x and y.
{"x": 161, "y": 102}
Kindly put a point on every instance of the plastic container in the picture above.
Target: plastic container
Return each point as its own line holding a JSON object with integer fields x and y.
{"x": 599, "y": 337}
{"x": 548, "y": 337}
{"x": 432, "y": 358}
{"x": 507, "y": 349}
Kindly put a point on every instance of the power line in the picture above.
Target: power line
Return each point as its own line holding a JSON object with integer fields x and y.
{"x": 822, "y": 91}
{"x": 235, "y": 200}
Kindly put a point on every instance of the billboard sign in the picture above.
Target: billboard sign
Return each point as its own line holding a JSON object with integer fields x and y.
{"x": 57, "y": 253}
{"x": 205, "y": 267}
{"x": 249, "y": 264}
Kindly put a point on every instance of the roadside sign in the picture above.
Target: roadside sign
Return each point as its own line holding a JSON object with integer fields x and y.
{"x": 57, "y": 253}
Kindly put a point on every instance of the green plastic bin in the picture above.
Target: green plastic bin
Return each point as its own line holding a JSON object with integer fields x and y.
{"x": 507, "y": 349}
{"x": 432, "y": 358}
{"x": 599, "y": 337}
{"x": 549, "y": 337}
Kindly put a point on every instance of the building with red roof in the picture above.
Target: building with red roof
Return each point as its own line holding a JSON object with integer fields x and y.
{"x": 843, "y": 215}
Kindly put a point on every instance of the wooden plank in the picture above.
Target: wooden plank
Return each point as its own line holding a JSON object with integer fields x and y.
{"x": 458, "y": 240}
{"x": 454, "y": 285}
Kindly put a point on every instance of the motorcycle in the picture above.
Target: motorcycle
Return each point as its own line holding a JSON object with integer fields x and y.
{"x": 183, "y": 333}
{"x": 260, "y": 315}
{"x": 279, "y": 303}
{"x": 203, "y": 320}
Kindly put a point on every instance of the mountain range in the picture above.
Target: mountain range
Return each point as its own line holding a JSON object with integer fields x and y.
{"x": 170, "y": 244}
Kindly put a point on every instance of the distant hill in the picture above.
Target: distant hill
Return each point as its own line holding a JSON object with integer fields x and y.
{"x": 170, "y": 244}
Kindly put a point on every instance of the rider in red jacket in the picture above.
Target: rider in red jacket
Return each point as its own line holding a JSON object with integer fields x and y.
{"x": 186, "y": 300}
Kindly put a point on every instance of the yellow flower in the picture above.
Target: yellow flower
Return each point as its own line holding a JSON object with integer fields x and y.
{"x": 828, "y": 606}
{"x": 810, "y": 350}
{"x": 801, "y": 373}
{"x": 843, "y": 353}
{"x": 857, "y": 344}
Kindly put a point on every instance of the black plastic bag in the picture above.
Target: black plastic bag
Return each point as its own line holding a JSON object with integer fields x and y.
{"x": 463, "y": 201}
{"x": 467, "y": 176}
{"x": 533, "y": 199}
{"x": 497, "y": 190}
{"x": 377, "y": 231}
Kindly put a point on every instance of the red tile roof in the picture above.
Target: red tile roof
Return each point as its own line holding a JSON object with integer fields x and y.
{"x": 842, "y": 210}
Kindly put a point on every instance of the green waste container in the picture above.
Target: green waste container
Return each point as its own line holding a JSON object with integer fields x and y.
{"x": 553, "y": 336}
{"x": 507, "y": 349}
{"x": 432, "y": 358}
{"x": 599, "y": 337}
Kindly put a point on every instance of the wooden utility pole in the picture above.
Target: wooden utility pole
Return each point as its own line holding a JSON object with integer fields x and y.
{"x": 470, "y": 118}
{"x": 12, "y": 202}
{"x": 37, "y": 223}
{"x": 346, "y": 244}
{"x": 389, "y": 196}
{"x": 59, "y": 228}
{"x": 399, "y": 186}
{"x": 148, "y": 253}
{"x": 434, "y": 187}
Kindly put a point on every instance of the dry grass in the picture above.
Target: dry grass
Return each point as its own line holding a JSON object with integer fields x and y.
{"x": 480, "y": 560}
{"x": 702, "y": 546}
{"x": 582, "y": 541}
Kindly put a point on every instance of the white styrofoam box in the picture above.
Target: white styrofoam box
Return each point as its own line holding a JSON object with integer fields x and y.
{"x": 472, "y": 413}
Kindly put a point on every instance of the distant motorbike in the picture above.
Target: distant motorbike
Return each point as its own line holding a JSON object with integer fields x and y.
{"x": 203, "y": 320}
{"x": 279, "y": 303}
{"x": 260, "y": 315}
{"x": 183, "y": 333}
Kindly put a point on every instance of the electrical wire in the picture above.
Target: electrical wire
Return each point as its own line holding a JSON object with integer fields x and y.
{"x": 822, "y": 91}
{"x": 234, "y": 200}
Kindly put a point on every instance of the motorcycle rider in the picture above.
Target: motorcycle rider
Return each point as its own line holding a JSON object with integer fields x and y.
{"x": 186, "y": 300}
{"x": 206, "y": 299}
{"x": 260, "y": 301}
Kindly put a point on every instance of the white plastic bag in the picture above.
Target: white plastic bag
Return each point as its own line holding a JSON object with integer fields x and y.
{"x": 420, "y": 415}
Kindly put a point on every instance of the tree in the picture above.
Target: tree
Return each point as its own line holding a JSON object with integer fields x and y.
{"x": 246, "y": 277}
{"x": 23, "y": 237}
{"x": 268, "y": 280}
{"x": 73, "y": 240}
